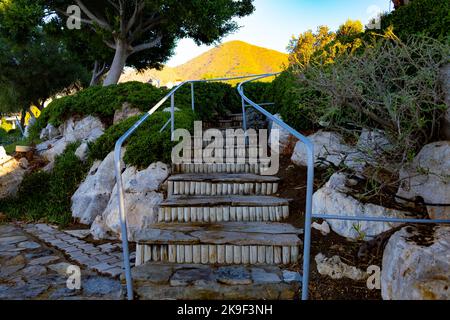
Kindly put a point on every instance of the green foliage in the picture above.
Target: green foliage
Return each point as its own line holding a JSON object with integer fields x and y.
{"x": 324, "y": 47}
{"x": 34, "y": 65}
{"x": 98, "y": 101}
{"x": 420, "y": 17}
{"x": 147, "y": 145}
{"x": 296, "y": 101}
{"x": 212, "y": 99}
{"x": 46, "y": 196}
{"x": 154, "y": 27}
{"x": 392, "y": 86}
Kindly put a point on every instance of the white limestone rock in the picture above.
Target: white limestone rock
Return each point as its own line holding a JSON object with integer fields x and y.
{"x": 336, "y": 269}
{"x": 82, "y": 151}
{"x": 11, "y": 176}
{"x": 92, "y": 196}
{"x": 49, "y": 132}
{"x": 328, "y": 146}
{"x": 416, "y": 264}
{"x": 3, "y": 155}
{"x": 86, "y": 130}
{"x": 324, "y": 228}
{"x": 428, "y": 177}
{"x": 142, "y": 198}
{"x": 127, "y": 111}
{"x": 333, "y": 199}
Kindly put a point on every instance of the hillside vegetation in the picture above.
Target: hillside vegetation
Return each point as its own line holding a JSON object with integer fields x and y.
{"x": 230, "y": 59}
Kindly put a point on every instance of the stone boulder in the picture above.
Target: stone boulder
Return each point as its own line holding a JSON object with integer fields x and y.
{"x": 82, "y": 151}
{"x": 141, "y": 200}
{"x": 49, "y": 132}
{"x": 126, "y": 112}
{"x": 50, "y": 149}
{"x": 335, "y": 199}
{"x": 92, "y": 196}
{"x": 85, "y": 130}
{"x": 328, "y": 148}
{"x": 3, "y": 155}
{"x": 336, "y": 269}
{"x": 416, "y": 264}
{"x": 428, "y": 177}
{"x": 11, "y": 175}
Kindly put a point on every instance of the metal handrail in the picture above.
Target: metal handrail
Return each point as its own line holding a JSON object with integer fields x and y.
{"x": 118, "y": 165}
{"x": 310, "y": 172}
{"x": 310, "y": 179}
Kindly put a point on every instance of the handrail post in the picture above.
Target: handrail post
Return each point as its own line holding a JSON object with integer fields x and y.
{"x": 244, "y": 115}
{"x": 192, "y": 96}
{"x": 308, "y": 218}
{"x": 172, "y": 115}
{"x": 123, "y": 219}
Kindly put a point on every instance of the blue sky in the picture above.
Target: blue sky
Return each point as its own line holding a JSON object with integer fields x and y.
{"x": 275, "y": 21}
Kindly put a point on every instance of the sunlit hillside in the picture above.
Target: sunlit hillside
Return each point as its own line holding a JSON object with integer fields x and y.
{"x": 233, "y": 58}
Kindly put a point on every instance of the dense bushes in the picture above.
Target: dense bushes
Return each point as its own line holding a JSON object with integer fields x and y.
{"x": 391, "y": 86}
{"x": 425, "y": 17}
{"x": 147, "y": 144}
{"x": 46, "y": 196}
{"x": 98, "y": 101}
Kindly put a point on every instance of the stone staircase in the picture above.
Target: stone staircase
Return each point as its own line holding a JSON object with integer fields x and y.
{"x": 223, "y": 221}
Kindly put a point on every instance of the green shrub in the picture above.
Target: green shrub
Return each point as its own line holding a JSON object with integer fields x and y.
{"x": 147, "y": 144}
{"x": 46, "y": 196}
{"x": 392, "y": 86}
{"x": 421, "y": 17}
{"x": 212, "y": 99}
{"x": 98, "y": 101}
{"x": 296, "y": 101}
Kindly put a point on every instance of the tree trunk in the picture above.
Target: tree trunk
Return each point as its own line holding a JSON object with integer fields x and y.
{"x": 97, "y": 73}
{"x": 120, "y": 58}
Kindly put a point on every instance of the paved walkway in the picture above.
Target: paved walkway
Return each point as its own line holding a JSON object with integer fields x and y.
{"x": 34, "y": 260}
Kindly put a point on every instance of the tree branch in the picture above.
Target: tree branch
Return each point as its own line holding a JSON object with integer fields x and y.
{"x": 103, "y": 24}
{"x": 147, "y": 45}
{"x": 139, "y": 6}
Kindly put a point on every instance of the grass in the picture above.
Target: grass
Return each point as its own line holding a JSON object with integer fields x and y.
{"x": 45, "y": 196}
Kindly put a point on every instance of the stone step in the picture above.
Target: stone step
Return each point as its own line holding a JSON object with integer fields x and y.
{"x": 248, "y": 167}
{"x": 222, "y": 184}
{"x": 223, "y": 209}
{"x": 220, "y": 243}
{"x": 168, "y": 281}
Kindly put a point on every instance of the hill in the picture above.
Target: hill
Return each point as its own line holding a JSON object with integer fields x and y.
{"x": 230, "y": 59}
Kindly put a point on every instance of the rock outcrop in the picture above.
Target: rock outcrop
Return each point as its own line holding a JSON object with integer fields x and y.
{"x": 85, "y": 130}
{"x": 416, "y": 264}
{"x": 428, "y": 177}
{"x": 11, "y": 174}
{"x": 126, "y": 112}
{"x": 92, "y": 196}
{"x": 141, "y": 200}
{"x": 334, "y": 199}
{"x": 336, "y": 269}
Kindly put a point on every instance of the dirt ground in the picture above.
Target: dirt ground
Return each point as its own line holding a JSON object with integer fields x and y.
{"x": 293, "y": 186}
